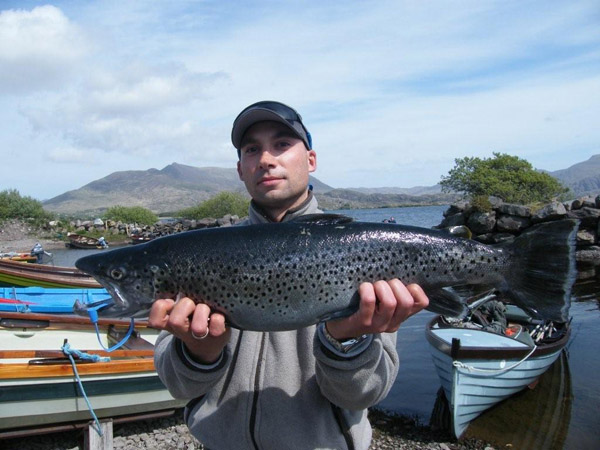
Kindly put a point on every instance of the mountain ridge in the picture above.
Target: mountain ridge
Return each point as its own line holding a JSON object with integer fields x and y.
{"x": 177, "y": 186}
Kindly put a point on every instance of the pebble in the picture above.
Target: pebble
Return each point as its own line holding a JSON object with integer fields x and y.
{"x": 170, "y": 433}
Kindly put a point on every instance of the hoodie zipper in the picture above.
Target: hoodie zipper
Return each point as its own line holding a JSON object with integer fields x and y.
{"x": 257, "y": 376}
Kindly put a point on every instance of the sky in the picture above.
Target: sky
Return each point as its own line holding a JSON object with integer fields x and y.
{"x": 391, "y": 91}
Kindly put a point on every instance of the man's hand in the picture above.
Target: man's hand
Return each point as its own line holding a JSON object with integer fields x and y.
{"x": 204, "y": 334}
{"x": 384, "y": 305}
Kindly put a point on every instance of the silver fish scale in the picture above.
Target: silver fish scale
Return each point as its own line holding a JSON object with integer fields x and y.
{"x": 315, "y": 271}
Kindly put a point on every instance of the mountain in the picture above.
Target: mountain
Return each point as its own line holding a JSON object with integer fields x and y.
{"x": 178, "y": 186}
{"x": 174, "y": 187}
{"x": 583, "y": 178}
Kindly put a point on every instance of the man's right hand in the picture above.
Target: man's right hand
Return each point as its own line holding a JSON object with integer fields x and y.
{"x": 189, "y": 322}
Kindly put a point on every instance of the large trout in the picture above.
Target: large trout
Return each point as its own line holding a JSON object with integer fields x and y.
{"x": 289, "y": 275}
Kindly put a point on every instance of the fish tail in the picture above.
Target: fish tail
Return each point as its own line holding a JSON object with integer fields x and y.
{"x": 543, "y": 272}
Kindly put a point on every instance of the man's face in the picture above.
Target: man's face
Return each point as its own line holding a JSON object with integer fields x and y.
{"x": 274, "y": 165}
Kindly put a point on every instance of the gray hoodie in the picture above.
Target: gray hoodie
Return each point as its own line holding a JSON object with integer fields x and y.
{"x": 280, "y": 390}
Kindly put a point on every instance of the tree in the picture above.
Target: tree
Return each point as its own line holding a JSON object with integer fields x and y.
{"x": 131, "y": 214}
{"x": 218, "y": 206}
{"x": 14, "y": 206}
{"x": 512, "y": 179}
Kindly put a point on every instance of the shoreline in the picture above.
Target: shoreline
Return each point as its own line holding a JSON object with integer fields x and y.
{"x": 390, "y": 432}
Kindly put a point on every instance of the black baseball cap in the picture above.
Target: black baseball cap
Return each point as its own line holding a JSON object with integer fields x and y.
{"x": 272, "y": 111}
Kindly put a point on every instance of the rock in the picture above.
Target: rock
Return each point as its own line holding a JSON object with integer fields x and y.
{"x": 589, "y": 255}
{"x": 453, "y": 221}
{"x": 456, "y": 208}
{"x": 587, "y": 216}
{"x": 512, "y": 224}
{"x": 552, "y": 211}
{"x": 585, "y": 237}
{"x": 588, "y": 202}
{"x": 495, "y": 201}
{"x": 514, "y": 210}
{"x": 481, "y": 223}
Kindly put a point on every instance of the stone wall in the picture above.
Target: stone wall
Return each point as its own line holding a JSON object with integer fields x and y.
{"x": 506, "y": 221}
{"x": 161, "y": 228}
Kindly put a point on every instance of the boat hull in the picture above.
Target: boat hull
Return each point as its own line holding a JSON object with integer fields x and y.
{"x": 485, "y": 368}
{"x": 31, "y": 274}
{"x": 43, "y": 403}
{"x": 48, "y": 300}
{"x": 38, "y": 385}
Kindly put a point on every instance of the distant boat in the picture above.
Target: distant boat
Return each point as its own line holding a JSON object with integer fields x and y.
{"x": 47, "y": 300}
{"x": 36, "y": 255}
{"x": 479, "y": 368}
{"x": 37, "y": 381}
{"x": 19, "y": 274}
{"x": 85, "y": 242}
{"x": 141, "y": 238}
{"x": 18, "y": 256}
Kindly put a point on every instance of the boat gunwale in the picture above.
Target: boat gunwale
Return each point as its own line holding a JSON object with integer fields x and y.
{"x": 491, "y": 353}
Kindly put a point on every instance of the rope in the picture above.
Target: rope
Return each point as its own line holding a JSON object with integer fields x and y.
{"x": 67, "y": 350}
{"x": 92, "y": 310}
{"x": 461, "y": 365}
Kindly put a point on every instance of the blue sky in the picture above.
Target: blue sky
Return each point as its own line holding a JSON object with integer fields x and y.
{"x": 392, "y": 91}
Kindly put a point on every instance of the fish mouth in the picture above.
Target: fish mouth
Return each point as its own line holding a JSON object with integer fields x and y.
{"x": 115, "y": 306}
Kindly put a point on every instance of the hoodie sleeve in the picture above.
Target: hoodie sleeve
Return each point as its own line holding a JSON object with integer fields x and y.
{"x": 361, "y": 381}
{"x": 184, "y": 378}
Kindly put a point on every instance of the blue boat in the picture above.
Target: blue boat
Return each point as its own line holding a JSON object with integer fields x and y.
{"x": 479, "y": 367}
{"x": 47, "y": 300}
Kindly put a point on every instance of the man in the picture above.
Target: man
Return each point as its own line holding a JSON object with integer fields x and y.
{"x": 301, "y": 389}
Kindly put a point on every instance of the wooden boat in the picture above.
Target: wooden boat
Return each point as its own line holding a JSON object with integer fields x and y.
{"x": 85, "y": 242}
{"x": 480, "y": 368}
{"x": 18, "y": 256}
{"x": 48, "y": 300}
{"x": 37, "y": 381}
{"x": 141, "y": 238}
{"x": 18, "y": 274}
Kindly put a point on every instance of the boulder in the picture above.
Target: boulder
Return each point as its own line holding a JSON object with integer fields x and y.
{"x": 456, "y": 208}
{"x": 453, "y": 220}
{"x": 552, "y": 211}
{"x": 512, "y": 224}
{"x": 589, "y": 255}
{"x": 585, "y": 237}
{"x": 587, "y": 216}
{"x": 514, "y": 210}
{"x": 481, "y": 223}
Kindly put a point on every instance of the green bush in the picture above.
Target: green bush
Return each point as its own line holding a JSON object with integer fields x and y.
{"x": 13, "y": 206}
{"x": 512, "y": 179}
{"x": 221, "y": 204}
{"x": 131, "y": 214}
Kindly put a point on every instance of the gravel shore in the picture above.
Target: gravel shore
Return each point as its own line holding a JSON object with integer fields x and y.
{"x": 170, "y": 433}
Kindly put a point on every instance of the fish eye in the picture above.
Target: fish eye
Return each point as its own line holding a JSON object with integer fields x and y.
{"x": 117, "y": 274}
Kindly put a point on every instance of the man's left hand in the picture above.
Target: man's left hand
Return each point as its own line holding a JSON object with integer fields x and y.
{"x": 384, "y": 305}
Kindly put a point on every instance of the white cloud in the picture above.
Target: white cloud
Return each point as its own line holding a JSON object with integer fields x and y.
{"x": 39, "y": 49}
{"x": 69, "y": 155}
{"x": 392, "y": 91}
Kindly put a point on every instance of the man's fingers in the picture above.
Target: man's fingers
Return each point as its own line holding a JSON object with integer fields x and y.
{"x": 368, "y": 303}
{"x": 200, "y": 320}
{"x": 386, "y": 304}
{"x": 420, "y": 299}
{"x": 159, "y": 314}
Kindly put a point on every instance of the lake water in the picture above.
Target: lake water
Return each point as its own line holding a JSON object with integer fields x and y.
{"x": 560, "y": 413}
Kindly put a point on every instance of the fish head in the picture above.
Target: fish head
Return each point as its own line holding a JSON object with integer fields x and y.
{"x": 132, "y": 280}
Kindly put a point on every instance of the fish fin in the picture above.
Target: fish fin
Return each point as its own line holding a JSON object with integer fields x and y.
{"x": 447, "y": 302}
{"x": 543, "y": 270}
{"x": 323, "y": 219}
